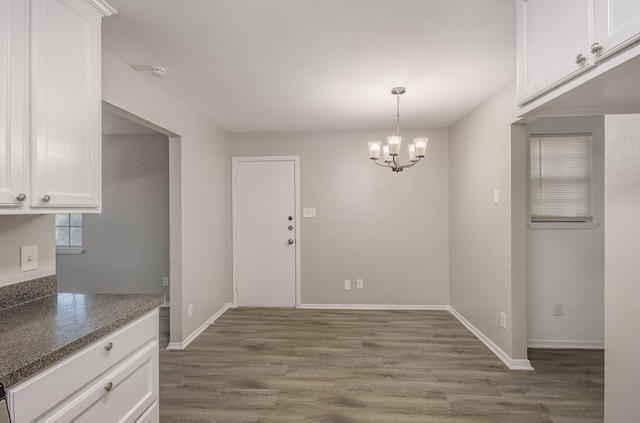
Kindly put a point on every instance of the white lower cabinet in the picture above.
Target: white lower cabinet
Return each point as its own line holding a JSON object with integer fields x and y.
{"x": 115, "y": 379}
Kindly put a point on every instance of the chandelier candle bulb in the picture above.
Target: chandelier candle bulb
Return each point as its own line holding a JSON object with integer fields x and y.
{"x": 412, "y": 153}
{"x": 394, "y": 142}
{"x": 374, "y": 149}
{"x": 387, "y": 156}
{"x": 421, "y": 146}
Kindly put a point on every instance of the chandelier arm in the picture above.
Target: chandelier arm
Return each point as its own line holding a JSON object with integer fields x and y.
{"x": 381, "y": 165}
{"x": 412, "y": 163}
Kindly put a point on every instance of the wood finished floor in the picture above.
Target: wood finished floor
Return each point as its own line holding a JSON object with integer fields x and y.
{"x": 287, "y": 365}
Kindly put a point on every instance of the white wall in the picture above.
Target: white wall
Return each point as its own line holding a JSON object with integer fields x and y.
{"x": 127, "y": 246}
{"x": 622, "y": 268}
{"x": 19, "y": 231}
{"x": 567, "y": 265}
{"x": 200, "y": 193}
{"x": 390, "y": 229}
{"x": 484, "y": 281}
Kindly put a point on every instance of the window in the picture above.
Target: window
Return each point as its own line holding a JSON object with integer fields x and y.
{"x": 69, "y": 233}
{"x": 560, "y": 178}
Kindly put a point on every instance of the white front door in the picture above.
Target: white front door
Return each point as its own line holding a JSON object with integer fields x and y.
{"x": 265, "y": 223}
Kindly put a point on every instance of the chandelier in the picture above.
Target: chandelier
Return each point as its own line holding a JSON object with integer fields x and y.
{"x": 392, "y": 149}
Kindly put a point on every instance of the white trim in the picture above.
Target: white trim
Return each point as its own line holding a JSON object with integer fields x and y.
{"x": 234, "y": 217}
{"x": 512, "y": 364}
{"x": 69, "y": 250}
{"x": 102, "y": 7}
{"x": 582, "y": 345}
{"x": 374, "y": 307}
{"x": 189, "y": 339}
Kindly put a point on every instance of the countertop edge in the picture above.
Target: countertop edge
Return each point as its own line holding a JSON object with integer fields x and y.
{"x": 67, "y": 350}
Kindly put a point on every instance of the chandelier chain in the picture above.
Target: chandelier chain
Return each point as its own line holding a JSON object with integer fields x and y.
{"x": 398, "y": 115}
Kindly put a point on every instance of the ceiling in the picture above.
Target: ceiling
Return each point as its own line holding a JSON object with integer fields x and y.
{"x": 303, "y": 65}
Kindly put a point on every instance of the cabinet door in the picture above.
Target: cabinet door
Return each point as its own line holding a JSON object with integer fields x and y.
{"x": 65, "y": 104}
{"x": 617, "y": 25}
{"x": 13, "y": 102}
{"x": 554, "y": 38}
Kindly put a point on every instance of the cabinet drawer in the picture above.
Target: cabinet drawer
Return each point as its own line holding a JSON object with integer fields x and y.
{"x": 152, "y": 415}
{"x": 35, "y": 396}
{"x": 132, "y": 389}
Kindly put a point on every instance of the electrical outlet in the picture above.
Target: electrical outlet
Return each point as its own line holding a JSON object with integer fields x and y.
{"x": 165, "y": 281}
{"x": 503, "y": 320}
{"x": 359, "y": 283}
{"x": 558, "y": 309}
{"x": 347, "y": 285}
{"x": 190, "y": 310}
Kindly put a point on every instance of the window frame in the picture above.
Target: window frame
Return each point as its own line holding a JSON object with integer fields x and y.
{"x": 70, "y": 249}
{"x": 593, "y": 223}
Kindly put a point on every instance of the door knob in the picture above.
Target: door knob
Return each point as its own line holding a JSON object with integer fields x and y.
{"x": 290, "y": 217}
{"x": 46, "y": 198}
{"x": 290, "y": 227}
{"x": 290, "y": 241}
{"x": 21, "y": 197}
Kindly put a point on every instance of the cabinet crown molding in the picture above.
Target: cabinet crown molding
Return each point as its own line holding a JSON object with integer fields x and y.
{"x": 102, "y": 7}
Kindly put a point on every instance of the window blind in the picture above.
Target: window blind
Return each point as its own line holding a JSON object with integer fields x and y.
{"x": 560, "y": 179}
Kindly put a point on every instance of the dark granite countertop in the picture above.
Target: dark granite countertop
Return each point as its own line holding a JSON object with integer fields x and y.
{"x": 37, "y": 334}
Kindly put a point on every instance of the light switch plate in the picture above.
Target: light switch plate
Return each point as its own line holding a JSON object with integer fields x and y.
{"x": 309, "y": 212}
{"x": 28, "y": 258}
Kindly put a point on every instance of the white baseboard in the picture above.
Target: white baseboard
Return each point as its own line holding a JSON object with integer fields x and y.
{"x": 551, "y": 344}
{"x": 374, "y": 307}
{"x": 189, "y": 339}
{"x": 512, "y": 364}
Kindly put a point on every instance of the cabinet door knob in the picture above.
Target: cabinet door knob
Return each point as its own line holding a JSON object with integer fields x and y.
{"x": 290, "y": 241}
{"x": 595, "y": 48}
{"x": 108, "y": 346}
{"x": 21, "y": 197}
{"x": 108, "y": 387}
{"x": 580, "y": 59}
{"x": 46, "y": 198}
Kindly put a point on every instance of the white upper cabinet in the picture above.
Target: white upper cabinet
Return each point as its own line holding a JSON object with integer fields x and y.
{"x": 562, "y": 44}
{"x": 616, "y": 27}
{"x": 554, "y": 38}
{"x": 51, "y": 121}
{"x": 14, "y": 103}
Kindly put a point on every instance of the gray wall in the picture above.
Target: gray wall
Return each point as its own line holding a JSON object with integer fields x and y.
{"x": 127, "y": 246}
{"x": 622, "y": 268}
{"x": 567, "y": 265}
{"x": 19, "y": 231}
{"x": 390, "y": 229}
{"x": 482, "y": 257}
{"x": 199, "y": 190}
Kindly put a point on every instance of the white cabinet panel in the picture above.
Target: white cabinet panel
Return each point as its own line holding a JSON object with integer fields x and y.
{"x": 554, "y": 38}
{"x": 617, "y": 25}
{"x": 13, "y": 102}
{"x": 65, "y": 104}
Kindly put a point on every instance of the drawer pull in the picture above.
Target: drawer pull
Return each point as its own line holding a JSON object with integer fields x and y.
{"x": 108, "y": 346}
{"x": 108, "y": 387}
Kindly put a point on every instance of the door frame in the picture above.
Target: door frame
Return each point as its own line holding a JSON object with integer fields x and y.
{"x": 234, "y": 214}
